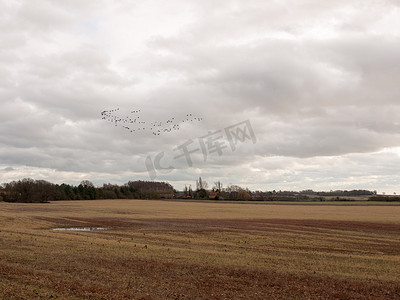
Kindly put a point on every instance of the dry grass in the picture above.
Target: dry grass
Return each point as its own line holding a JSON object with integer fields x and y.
{"x": 179, "y": 250}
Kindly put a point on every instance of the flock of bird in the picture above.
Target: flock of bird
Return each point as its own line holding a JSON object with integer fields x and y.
{"x": 134, "y": 123}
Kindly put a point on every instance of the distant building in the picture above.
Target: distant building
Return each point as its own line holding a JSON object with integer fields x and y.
{"x": 213, "y": 195}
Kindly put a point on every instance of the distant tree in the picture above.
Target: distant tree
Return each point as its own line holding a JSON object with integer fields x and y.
{"x": 201, "y": 184}
{"x": 109, "y": 194}
{"x": 190, "y": 190}
{"x": 218, "y": 186}
{"x": 29, "y": 190}
{"x": 233, "y": 188}
{"x": 44, "y": 191}
{"x": 87, "y": 183}
{"x": 244, "y": 195}
{"x": 201, "y": 188}
{"x": 201, "y": 194}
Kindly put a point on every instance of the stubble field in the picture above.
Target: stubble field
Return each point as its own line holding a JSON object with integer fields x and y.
{"x": 191, "y": 250}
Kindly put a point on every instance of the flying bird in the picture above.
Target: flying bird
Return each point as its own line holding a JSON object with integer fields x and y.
{"x": 165, "y": 126}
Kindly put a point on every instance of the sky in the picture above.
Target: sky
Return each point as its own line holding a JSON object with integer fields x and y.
{"x": 284, "y": 95}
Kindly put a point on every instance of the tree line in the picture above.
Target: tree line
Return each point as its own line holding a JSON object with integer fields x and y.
{"x": 35, "y": 191}
{"x": 39, "y": 191}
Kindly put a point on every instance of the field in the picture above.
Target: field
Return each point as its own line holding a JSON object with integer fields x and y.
{"x": 191, "y": 250}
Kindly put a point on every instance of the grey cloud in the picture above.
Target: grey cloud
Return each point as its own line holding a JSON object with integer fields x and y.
{"x": 46, "y": 17}
{"x": 347, "y": 73}
{"x": 8, "y": 169}
{"x": 313, "y": 77}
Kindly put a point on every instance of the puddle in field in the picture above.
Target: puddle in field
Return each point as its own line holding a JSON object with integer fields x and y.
{"x": 81, "y": 228}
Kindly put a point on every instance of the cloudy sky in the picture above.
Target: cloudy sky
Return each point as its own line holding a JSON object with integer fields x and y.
{"x": 290, "y": 94}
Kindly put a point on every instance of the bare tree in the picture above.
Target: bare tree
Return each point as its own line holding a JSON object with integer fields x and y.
{"x": 190, "y": 190}
{"x": 201, "y": 184}
{"x": 218, "y": 186}
{"x": 233, "y": 188}
{"x": 87, "y": 183}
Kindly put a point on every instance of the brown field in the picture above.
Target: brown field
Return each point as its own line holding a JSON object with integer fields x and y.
{"x": 191, "y": 250}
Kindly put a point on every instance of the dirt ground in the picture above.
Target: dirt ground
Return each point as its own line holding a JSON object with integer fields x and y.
{"x": 168, "y": 250}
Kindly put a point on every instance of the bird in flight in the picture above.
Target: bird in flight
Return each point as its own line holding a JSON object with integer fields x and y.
{"x": 133, "y": 122}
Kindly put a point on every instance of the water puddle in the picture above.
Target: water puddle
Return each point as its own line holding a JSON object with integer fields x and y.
{"x": 81, "y": 228}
